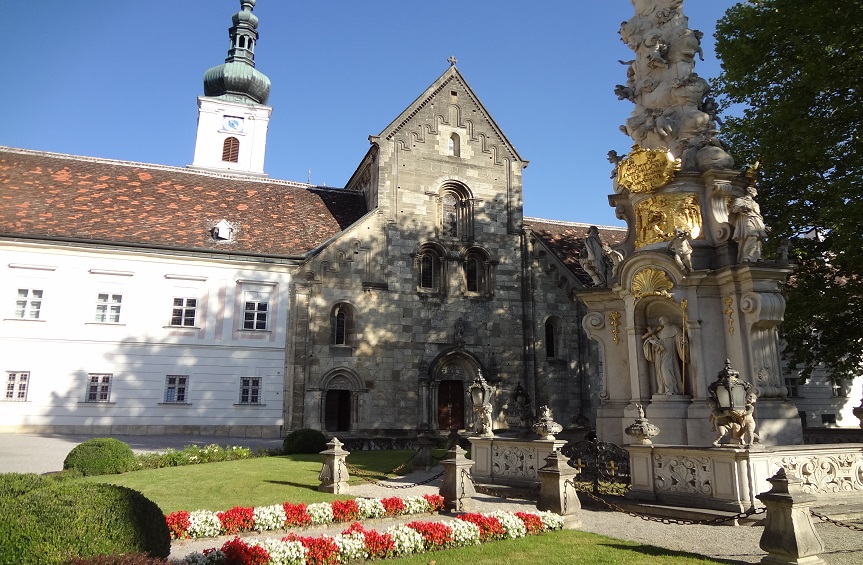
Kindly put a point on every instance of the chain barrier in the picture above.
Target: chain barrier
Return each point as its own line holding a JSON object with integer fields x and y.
{"x": 375, "y": 478}
{"x": 839, "y": 523}
{"x": 650, "y": 518}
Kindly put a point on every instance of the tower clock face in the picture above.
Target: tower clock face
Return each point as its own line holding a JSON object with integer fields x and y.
{"x": 231, "y": 123}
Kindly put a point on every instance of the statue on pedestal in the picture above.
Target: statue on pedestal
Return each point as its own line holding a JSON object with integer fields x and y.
{"x": 665, "y": 347}
{"x": 750, "y": 228}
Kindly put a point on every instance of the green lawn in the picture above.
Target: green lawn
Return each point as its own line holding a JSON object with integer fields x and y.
{"x": 249, "y": 482}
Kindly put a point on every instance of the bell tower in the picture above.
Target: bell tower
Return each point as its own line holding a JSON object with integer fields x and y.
{"x": 232, "y": 114}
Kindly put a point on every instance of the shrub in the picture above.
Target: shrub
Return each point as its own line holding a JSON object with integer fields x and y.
{"x": 59, "y": 521}
{"x": 127, "y": 559}
{"x": 15, "y": 484}
{"x": 305, "y": 441}
{"x": 101, "y": 456}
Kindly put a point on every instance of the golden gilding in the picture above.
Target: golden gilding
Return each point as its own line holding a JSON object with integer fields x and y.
{"x": 657, "y": 217}
{"x": 646, "y": 170}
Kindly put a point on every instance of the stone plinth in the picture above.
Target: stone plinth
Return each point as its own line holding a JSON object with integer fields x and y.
{"x": 726, "y": 478}
{"x": 334, "y": 473}
{"x": 789, "y": 534}
{"x": 457, "y": 488}
{"x": 511, "y": 461}
{"x": 556, "y": 491}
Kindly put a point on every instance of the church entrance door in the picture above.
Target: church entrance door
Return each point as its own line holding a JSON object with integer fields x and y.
{"x": 450, "y": 405}
{"x": 338, "y": 411}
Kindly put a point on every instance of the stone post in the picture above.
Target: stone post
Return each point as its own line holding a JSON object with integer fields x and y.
{"x": 457, "y": 489}
{"x": 556, "y": 489}
{"x": 334, "y": 473}
{"x": 423, "y": 459}
{"x": 789, "y": 534}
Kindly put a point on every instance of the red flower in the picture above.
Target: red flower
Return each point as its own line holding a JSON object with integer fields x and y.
{"x": 238, "y": 552}
{"x": 319, "y": 551}
{"x": 489, "y": 526}
{"x": 435, "y": 534}
{"x": 237, "y": 519}
{"x": 345, "y": 510}
{"x": 435, "y": 501}
{"x": 532, "y": 522}
{"x": 393, "y": 506}
{"x": 296, "y": 515}
{"x": 379, "y": 546}
{"x": 178, "y": 524}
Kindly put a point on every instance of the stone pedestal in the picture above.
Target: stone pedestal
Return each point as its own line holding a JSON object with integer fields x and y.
{"x": 668, "y": 413}
{"x": 334, "y": 473}
{"x": 789, "y": 535}
{"x": 457, "y": 488}
{"x": 423, "y": 458}
{"x": 511, "y": 461}
{"x": 556, "y": 489}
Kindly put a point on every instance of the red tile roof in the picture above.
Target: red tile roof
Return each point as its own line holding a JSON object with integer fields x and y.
{"x": 79, "y": 198}
{"x": 566, "y": 240}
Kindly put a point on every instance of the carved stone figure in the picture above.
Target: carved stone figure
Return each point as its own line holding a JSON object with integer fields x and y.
{"x": 739, "y": 425}
{"x": 665, "y": 347}
{"x": 681, "y": 249}
{"x": 614, "y": 256}
{"x": 592, "y": 259}
{"x": 750, "y": 228}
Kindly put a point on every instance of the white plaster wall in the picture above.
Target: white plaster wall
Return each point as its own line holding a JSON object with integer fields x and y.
{"x": 65, "y": 344}
{"x": 211, "y": 135}
{"x": 816, "y": 397}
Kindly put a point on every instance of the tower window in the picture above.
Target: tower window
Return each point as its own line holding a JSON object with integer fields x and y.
{"x": 231, "y": 150}
{"x": 455, "y": 145}
{"x": 456, "y": 212}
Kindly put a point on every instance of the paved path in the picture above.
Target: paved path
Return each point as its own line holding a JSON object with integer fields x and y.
{"x": 45, "y": 453}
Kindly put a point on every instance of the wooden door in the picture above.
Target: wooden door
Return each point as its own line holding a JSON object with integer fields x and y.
{"x": 337, "y": 411}
{"x": 450, "y": 405}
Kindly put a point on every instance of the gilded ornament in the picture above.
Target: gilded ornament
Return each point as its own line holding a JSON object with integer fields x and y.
{"x": 657, "y": 218}
{"x": 615, "y": 326}
{"x": 646, "y": 170}
{"x": 728, "y": 312}
{"x": 651, "y": 282}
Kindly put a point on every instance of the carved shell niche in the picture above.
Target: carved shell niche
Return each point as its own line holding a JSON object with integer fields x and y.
{"x": 651, "y": 282}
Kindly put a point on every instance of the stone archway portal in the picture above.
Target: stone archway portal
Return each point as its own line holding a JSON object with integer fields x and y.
{"x": 450, "y": 405}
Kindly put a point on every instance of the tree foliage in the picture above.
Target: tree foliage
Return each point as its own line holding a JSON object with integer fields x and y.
{"x": 795, "y": 68}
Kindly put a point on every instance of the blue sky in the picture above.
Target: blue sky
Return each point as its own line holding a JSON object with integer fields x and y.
{"x": 119, "y": 80}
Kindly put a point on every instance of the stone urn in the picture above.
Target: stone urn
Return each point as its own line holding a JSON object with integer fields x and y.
{"x": 545, "y": 426}
{"x": 642, "y": 430}
{"x": 858, "y": 412}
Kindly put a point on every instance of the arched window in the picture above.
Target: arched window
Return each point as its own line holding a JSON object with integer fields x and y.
{"x": 553, "y": 338}
{"x": 456, "y": 212}
{"x": 455, "y": 145}
{"x": 472, "y": 273}
{"x": 231, "y": 150}
{"x": 429, "y": 267}
{"x": 343, "y": 329}
{"x": 477, "y": 271}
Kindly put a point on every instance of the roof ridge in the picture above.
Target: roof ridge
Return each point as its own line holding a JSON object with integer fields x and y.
{"x": 526, "y": 219}
{"x": 157, "y": 167}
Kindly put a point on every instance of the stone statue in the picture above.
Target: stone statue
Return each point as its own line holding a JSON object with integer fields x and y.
{"x": 750, "y": 228}
{"x": 665, "y": 347}
{"x": 592, "y": 259}
{"x": 614, "y": 256}
{"x": 681, "y": 249}
{"x": 736, "y": 421}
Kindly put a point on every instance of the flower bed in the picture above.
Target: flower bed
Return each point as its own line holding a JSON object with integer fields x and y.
{"x": 205, "y": 523}
{"x": 357, "y": 544}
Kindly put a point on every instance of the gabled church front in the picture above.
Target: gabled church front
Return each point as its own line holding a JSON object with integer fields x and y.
{"x": 145, "y": 299}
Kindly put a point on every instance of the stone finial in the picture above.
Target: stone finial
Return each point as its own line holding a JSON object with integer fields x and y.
{"x": 545, "y": 426}
{"x": 642, "y": 430}
{"x": 452, "y": 60}
{"x": 858, "y": 412}
{"x": 334, "y": 472}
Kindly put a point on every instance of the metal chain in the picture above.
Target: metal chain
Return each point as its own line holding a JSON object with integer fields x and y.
{"x": 364, "y": 476}
{"x": 680, "y": 521}
{"x": 836, "y": 522}
{"x": 362, "y": 473}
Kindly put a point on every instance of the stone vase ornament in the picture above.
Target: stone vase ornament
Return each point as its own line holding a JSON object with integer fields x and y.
{"x": 858, "y": 412}
{"x": 642, "y": 430}
{"x": 546, "y": 427}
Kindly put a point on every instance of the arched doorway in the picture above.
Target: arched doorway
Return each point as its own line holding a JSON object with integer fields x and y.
{"x": 337, "y": 411}
{"x": 451, "y": 374}
{"x": 450, "y": 405}
{"x": 339, "y": 401}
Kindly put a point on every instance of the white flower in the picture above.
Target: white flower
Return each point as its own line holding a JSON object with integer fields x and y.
{"x": 464, "y": 533}
{"x": 215, "y": 557}
{"x": 269, "y": 517}
{"x": 320, "y": 512}
{"x": 512, "y": 524}
{"x": 282, "y": 552}
{"x": 416, "y": 505}
{"x": 406, "y": 540}
{"x": 370, "y": 508}
{"x": 352, "y": 547}
{"x": 550, "y": 520}
{"x": 204, "y": 524}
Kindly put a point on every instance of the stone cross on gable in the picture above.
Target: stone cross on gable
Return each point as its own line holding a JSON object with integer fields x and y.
{"x": 452, "y": 60}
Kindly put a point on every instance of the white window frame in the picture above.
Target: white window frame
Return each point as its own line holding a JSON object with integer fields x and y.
{"x": 108, "y": 309}
{"x": 176, "y": 389}
{"x": 254, "y": 317}
{"x": 28, "y": 306}
{"x": 251, "y": 389}
{"x": 17, "y": 385}
{"x": 184, "y": 308}
{"x": 98, "y": 388}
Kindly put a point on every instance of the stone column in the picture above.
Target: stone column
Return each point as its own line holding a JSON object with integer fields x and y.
{"x": 457, "y": 489}
{"x": 556, "y": 489}
{"x": 334, "y": 473}
{"x": 789, "y": 535}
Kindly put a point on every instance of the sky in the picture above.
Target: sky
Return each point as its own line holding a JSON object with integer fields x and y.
{"x": 120, "y": 80}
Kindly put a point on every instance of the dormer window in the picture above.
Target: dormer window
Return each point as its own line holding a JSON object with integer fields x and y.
{"x": 231, "y": 150}
{"x": 223, "y": 231}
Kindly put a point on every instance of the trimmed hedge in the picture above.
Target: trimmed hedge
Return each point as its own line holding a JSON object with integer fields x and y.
{"x": 101, "y": 456}
{"x": 57, "y": 521}
{"x": 16, "y": 484}
{"x": 304, "y": 440}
